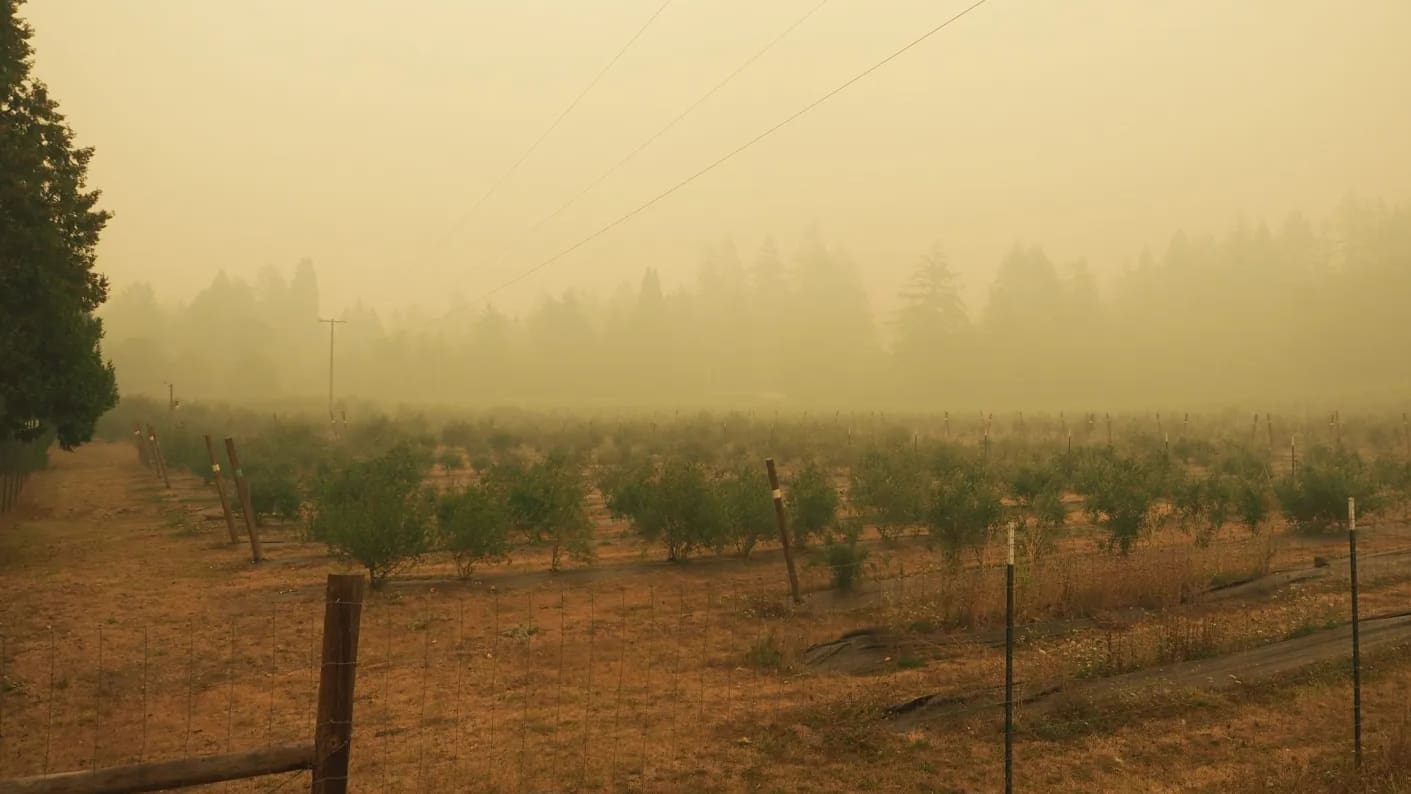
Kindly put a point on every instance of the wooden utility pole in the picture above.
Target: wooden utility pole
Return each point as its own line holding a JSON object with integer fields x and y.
{"x": 220, "y": 489}
{"x": 331, "y": 325}
{"x": 242, "y": 487}
{"x": 333, "y": 733}
{"x": 781, "y": 517}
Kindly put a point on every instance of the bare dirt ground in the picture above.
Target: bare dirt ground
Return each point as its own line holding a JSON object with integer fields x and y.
{"x": 132, "y": 629}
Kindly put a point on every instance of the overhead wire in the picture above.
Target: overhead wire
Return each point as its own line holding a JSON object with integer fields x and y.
{"x": 670, "y": 125}
{"x": 509, "y": 172}
{"x": 621, "y": 219}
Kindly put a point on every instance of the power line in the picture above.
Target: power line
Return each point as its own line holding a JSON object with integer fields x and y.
{"x": 553, "y": 126}
{"x": 732, "y": 153}
{"x": 654, "y": 136}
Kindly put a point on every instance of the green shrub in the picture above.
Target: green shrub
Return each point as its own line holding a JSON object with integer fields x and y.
{"x": 681, "y": 511}
{"x": 747, "y": 508}
{"x": 890, "y": 490}
{"x": 545, "y": 502}
{"x": 813, "y": 503}
{"x": 375, "y": 512}
{"x": 473, "y": 524}
{"x": 1121, "y": 493}
{"x": 844, "y": 557}
{"x": 274, "y": 491}
{"x": 965, "y": 506}
{"x": 1316, "y": 499}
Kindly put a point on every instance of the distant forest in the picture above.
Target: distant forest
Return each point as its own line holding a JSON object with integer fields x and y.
{"x": 1305, "y": 312}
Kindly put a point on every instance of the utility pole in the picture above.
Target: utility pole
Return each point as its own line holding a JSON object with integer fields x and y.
{"x": 331, "y": 325}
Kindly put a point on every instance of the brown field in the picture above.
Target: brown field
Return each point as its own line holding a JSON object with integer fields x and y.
{"x": 132, "y": 630}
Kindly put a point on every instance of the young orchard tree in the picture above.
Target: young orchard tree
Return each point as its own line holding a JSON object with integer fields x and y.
{"x": 1120, "y": 497}
{"x": 545, "y": 502}
{"x": 748, "y": 511}
{"x": 964, "y": 508}
{"x": 473, "y": 523}
{"x": 53, "y": 379}
{"x": 1316, "y": 499}
{"x": 813, "y": 503}
{"x": 842, "y": 554}
{"x": 450, "y": 461}
{"x": 375, "y": 512}
{"x": 890, "y": 490}
{"x": 682, "y": 512}
{"x": 625, "y": 488}
{"x": 1037, "y": 490}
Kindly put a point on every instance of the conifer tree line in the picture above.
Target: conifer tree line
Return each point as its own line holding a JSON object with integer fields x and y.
{"x": 1296, "y": 311}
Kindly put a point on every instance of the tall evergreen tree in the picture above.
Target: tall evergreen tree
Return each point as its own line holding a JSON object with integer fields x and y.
{"x": 931, "y": 326}
{"x": 52, "y": 373}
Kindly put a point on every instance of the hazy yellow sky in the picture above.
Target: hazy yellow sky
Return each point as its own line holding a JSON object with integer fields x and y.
{"x": 235, "y": 135}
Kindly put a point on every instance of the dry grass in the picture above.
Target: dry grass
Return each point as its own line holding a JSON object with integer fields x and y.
{"x": 632, "y": 675}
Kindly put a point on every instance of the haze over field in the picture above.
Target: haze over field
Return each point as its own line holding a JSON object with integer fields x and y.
{"x": 362, "y": 137}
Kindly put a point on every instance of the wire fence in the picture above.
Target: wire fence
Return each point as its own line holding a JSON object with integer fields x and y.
{"x": 645, "y": 685}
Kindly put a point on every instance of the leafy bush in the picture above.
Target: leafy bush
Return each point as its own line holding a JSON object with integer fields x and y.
{"x": 1120, "y": 496}
{"x": 890, "y": 491}
{"x": 473, "y": 524}
{"x": 813, "y": 503}
{"x": 747, "y": 508}
{"x": 681, "y": 511}
{"x": 1316, "y": 499}
{"x": 375, "y": 512}
{"x": 964, "y": 508}
{"x": 844, "y": 557}
{"x": 274, "y": 491}
{"x": 450, "y": 461}
{"x": 545, "y": 502}
{"x": 1037, "y": 490}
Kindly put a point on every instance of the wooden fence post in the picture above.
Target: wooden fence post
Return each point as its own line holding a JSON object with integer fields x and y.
{"x": 157, "y": 455}
{"x": 242, "y": 487}
{"x": 780, "y": 516}
{"x": 141, "y": 442}
{"x": 333, "y": 734}
{"x": 220, "y": 489}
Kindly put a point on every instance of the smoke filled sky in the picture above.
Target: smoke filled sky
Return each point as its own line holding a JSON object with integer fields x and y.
{"x": 360, "y": 134}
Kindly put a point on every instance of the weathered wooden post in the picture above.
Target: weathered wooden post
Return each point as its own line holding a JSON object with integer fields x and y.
{"x": 220, "y": 489}
{"x": 157, "y": 455}
{"x": 782, "y": 518}
{"x": 141, "y": 441}
{"x": 242, "y": 487}
{"x": 333, "y": 735}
